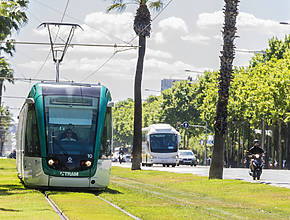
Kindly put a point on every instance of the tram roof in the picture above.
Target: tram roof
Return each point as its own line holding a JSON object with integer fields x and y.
{"x": 69, "y": 88}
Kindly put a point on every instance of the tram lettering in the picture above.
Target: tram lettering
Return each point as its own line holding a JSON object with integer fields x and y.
{"x": 69, "y": 173}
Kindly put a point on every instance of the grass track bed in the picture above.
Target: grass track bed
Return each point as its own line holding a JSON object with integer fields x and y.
{"x": 198, "y": 197}
{"x": 16, "y": 202}
{"x": 147, "y": 195}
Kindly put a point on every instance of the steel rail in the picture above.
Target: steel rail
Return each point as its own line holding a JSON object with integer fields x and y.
{"x": 117, "y": 207}
{"x": 55, "y": 207}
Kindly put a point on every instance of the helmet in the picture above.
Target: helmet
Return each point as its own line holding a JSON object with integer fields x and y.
{"x": 256, "y": 141}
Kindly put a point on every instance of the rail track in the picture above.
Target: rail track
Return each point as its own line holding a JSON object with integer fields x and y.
{"x": 64, "y": 217}
{"x": 54, "y": 206}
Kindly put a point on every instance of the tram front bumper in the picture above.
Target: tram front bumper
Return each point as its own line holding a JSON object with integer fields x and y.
{"x": 69, "y": 182}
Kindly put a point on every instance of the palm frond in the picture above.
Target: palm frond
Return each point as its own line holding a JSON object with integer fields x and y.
{"x": 142, "y": 2}
{"x": 156, "y": 5}
{"x": 117, "y": 6}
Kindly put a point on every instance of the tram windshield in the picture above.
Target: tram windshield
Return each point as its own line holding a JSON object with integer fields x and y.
{"x": 70, "y": 130}
{"x": 163, "y": 143}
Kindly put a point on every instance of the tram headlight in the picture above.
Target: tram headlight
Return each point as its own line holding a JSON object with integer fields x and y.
{"x": 53, "y": 162}
{"x": 88, "y": 163}
{"x": 50, "y": 162}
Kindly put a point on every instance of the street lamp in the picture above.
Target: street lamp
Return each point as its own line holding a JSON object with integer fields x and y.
{"x": 251, "y": 51}
{"x": 282, "y": 22}
{"x": 193, "y": 71}
{"x": 152, "y": 90}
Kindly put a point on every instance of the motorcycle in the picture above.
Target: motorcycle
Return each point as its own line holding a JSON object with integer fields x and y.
{"x": 257, "y": 166}
{"x": 121, "y": 158}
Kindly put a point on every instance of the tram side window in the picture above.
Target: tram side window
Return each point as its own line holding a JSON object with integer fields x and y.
{"x": 32, "y": 145}
{"x": 106, "y": 144}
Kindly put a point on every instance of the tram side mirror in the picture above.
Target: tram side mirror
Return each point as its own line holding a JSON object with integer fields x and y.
{"x": 110, "y": 104}
{"x": 29, "y": 101}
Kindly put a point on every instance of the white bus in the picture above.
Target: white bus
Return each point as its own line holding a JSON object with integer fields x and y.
{"x": 160, "y": 145}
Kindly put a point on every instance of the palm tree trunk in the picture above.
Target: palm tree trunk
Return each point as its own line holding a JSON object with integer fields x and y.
{"x": 137, "y": 138}
{"x": 1, "y": 127}
{"x": 220, "y": 127}
{"x": 1, "y": 89}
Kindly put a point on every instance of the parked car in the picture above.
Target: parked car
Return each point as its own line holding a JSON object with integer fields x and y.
{"x": 186, "y": 157}
{"x": 127, "y": 158}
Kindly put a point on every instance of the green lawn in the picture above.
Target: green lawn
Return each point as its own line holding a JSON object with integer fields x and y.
{"x": 16, "y": 202}
{"x": 164, "y": 195}
{"x": 148, "y": 195}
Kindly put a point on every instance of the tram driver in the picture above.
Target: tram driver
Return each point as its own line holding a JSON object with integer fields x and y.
{"x": 69, "y": 135}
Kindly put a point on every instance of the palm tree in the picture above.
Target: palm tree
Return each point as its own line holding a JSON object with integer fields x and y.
{"x": 142, "y": 27}
{"x": 228, "y": 54}
{"x": 12, "y": 16}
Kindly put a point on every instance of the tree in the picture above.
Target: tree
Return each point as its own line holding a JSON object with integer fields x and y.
{"x": 123, "y": 116}
{"x": 151, "y": 111}
{"x": 207, "y": 96}
{"x": 142, "y": 27}
{"x": 12, "y": 16}
{"x": 277, "y": 49}
{"x": 6, "y": 120}
{"x": 179, "y": 104}
{"x": 5, "y": 72}
{"x": 220, "y": 127}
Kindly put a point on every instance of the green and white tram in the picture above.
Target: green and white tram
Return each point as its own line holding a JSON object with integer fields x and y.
{"x": 64, "y": 136}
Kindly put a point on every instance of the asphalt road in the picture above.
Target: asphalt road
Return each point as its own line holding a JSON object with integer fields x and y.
{"x": 279, "y": 178}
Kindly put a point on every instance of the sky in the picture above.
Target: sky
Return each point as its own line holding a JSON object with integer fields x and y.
{"x": 187, "y": 34}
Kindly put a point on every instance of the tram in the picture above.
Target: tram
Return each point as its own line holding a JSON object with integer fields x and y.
{"x": 64, "y": 136}
{"x": 160, "y": 145}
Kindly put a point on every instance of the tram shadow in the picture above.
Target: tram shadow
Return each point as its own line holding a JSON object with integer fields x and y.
{"x": 96, "y": 192}
{"x": 107, "y": 190}
{"x": 10, "y": 189}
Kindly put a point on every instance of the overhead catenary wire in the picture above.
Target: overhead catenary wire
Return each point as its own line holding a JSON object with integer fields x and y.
{"x": 48, "y": 55}
{"x": 64, "y": 11}
{"x": 111, "y": 57}
{"x": 101, "y": 66}
{"x": 13, "y": 97}
{"x": 67, "y": 15}
{"x": 72, "y": 44}
{"x": 30, "y": 79}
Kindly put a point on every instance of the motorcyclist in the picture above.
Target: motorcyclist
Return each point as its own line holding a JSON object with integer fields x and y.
{"x": 256, "y": 149}
{"x": 121, "y": 154}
